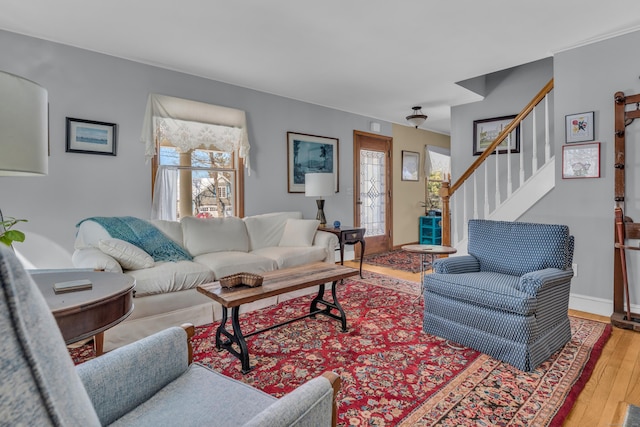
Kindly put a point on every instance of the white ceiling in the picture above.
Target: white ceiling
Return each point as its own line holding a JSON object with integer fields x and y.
{"x": 377, "y": 58}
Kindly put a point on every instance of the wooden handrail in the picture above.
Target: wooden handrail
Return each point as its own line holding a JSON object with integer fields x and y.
{"x": 502, "y": 136}
{"x": 447, "y": 190}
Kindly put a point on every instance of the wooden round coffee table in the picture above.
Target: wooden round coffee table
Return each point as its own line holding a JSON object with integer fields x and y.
{"x": 87, "y": 313}
{"x": 431, "y": 250}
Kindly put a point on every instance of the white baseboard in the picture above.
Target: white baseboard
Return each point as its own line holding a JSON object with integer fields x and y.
{"x": 600, "y": 306}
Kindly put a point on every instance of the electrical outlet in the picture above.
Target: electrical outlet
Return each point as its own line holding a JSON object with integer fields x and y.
{"x": 575, "y": 269}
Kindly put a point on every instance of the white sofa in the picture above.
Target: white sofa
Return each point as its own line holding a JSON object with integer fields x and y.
{"x": 166, "y": 293}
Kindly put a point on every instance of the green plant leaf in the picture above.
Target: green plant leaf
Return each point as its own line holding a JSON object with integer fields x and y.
{"x": 14, "y": 235}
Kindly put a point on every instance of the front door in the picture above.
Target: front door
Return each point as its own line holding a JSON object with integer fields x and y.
{"x": 372, "y": 189}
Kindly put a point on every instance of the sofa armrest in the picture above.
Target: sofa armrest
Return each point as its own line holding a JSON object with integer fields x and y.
{"x": 124, "y": 378}
{"x": 312, "y": 404}
{"x": 532, "y": 283}
{"x": 329, "y": 242}
{"x": 95, "y": 259}
{"x": 457, "y": 265}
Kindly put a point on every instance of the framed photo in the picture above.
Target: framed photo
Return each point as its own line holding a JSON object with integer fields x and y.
{"x": 309, "y": 154}
{"x": 581, "y": 160}
{"x": 579, "y": 127}
{"x": 87, "y": 136}
{"x": 487, "y": 130}
{"x": 410, "y": 165}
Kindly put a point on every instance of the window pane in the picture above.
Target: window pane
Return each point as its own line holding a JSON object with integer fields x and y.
{"x": 213, "y": 195}
{"x": 211, "y": 159}
{"x": 213, "y": 181}
{"x": 372, "y": 192}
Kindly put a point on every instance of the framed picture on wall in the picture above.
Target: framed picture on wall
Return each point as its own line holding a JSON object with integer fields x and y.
{"x": 486, "y": 131}
{"x": 581, "y": 160}
{"x": 410, "y": 165}
{"x": 579, "y": 127}
{"x": 90, "y": 137}
{"x": 309, "y": 154}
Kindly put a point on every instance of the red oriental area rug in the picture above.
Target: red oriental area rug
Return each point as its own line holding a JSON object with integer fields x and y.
{"x": 398, "y": 260}
{"x": 393, "y": 373}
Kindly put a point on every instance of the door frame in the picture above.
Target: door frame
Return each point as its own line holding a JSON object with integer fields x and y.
{"x": 388, "y": 141}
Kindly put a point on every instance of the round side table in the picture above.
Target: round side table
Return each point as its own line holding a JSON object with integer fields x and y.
{"x": 431, "y": 250}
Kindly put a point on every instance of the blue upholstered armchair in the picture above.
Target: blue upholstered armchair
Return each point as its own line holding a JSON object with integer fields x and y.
{"x": 509, "y": 296}
{"x": 147, "y": 383}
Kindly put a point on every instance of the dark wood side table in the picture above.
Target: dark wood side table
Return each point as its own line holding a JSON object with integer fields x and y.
{"x": 87, "y": 313}
{"x": 348, "y": 235}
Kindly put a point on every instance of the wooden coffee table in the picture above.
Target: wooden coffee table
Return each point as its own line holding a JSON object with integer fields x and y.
{"x": 88, "y": 313}
{"x": 275, "y": 283}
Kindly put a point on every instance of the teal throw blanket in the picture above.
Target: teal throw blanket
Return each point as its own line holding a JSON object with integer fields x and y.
{"x": 142, "y": 234}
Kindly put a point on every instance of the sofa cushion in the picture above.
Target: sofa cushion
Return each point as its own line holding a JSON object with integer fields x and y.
{"x": 226, "y": 263}
{"x": 265, "y": 230}
{"x": 517, "y": 248}
{"x": 299, "y": 232}
{"x": 172, "y": 229}
{"x": 129, "y": 256}
{"x": 170, "y": 277}
{"x": 234, "y": 404}
{"x": 286, "y": 257}
{"x": 488, "y": 289}
{"x": 207, "y": 235}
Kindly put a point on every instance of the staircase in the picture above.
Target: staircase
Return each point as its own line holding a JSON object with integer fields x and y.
{"x": 502, "y": 184}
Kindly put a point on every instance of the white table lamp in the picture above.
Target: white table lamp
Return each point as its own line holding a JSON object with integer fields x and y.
{"x": 319, "y": 185}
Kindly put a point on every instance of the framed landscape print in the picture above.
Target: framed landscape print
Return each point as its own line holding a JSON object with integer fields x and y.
{"x": 309, "y": 154}
{"x": 487, "y": 130}
{"x": 410, "y": 165}
{"x": 87, "y": 136}
{"x": 579, "y": 127}
{"x": 581, "y": 160}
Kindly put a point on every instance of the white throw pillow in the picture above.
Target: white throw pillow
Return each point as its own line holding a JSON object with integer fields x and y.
{"x": 129, "y": 256}
{"x": 299, "y": 232}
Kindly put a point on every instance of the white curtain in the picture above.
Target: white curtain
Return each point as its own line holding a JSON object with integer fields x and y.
{"x": 437, "y": 159}
{"x": 190, "y": 124}
{"x": 165, "y": 200}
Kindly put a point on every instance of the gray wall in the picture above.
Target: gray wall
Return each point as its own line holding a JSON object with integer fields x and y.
{"x": 88, "y": 85}
{"x": 586, "y": 79}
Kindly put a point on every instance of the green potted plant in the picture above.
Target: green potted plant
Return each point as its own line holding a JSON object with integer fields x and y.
{"x": 7, "y": 235}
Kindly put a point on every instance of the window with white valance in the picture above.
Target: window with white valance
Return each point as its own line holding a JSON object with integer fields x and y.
{"x": 437, "y": 168}
{"x": 198, "y": 150}
{"x": 191, "y": 124}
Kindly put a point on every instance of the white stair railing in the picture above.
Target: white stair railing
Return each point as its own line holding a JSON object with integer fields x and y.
{"x": 495, "y": 184}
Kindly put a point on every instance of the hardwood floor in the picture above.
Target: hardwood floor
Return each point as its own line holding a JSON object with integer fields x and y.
{"x": 614, "y": 383}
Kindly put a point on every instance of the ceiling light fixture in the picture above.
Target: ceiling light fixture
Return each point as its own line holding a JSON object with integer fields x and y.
{"x": 417, "y": 118}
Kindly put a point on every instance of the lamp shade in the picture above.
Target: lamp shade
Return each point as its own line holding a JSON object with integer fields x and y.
{"x": 318, "y": 184}
{"x": 23, "y": 127}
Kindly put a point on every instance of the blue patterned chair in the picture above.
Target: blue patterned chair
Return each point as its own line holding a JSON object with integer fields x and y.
{"x": 509, "y": 296}
{"x": 146, "y": 383}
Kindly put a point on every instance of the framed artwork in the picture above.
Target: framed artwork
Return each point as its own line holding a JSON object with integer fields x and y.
{"x": 309, "y": 154}
{"x": 487, "y": 130}
{"x": 87, "y": 136}
{"x": 581, "y": 160}
{"x": 579, "y": 127}
{"x": 410, "y": 165}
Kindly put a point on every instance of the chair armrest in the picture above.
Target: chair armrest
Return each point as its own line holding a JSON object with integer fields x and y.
{"x": 312, "y": 404}
{"x": 95, "y": 259}
{"x": 457, "y": 265}
{"x": 532, "y": 283}
{"x": 124, "y": 378}
{"x": 329, "y": 242}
